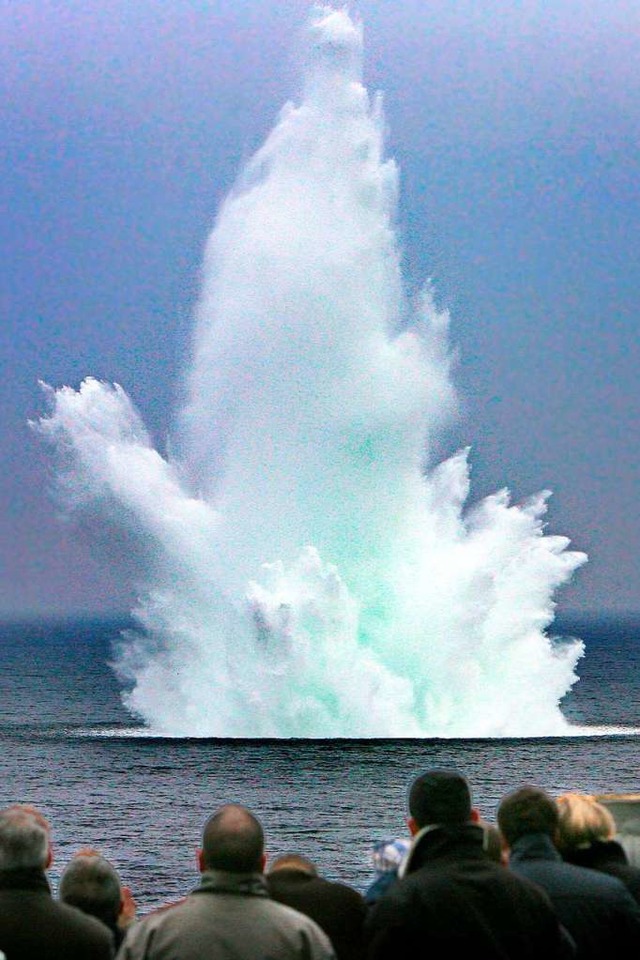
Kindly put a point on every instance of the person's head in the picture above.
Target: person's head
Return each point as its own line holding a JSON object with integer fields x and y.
{"x": 582, "y": 820}
{"x": 440, "y": 797}
{"x": 92, "y": 884}
{"x": 492, "y": 841}
{"x": 388, "y": 855}
{"x": 527, "y": 810}
{"x": 25, "y": 841}
{"x": 232, "y": 840}
{"x": 293, "y": 861}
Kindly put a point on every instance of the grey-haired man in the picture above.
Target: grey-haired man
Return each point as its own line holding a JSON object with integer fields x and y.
{"x": 32, "y": 923}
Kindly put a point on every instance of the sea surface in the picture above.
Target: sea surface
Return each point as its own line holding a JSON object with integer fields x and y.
{"x": 68, "y": 745}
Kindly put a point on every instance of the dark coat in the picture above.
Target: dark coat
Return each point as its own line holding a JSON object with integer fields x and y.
{"x": 337, "y": 908}
{"x": 597, "y": 910}
{"x": 34, "y": 926}
{"x": 609, "y": 857}
{"x": 454, "y": 900}
{"x": 379, "y": 886}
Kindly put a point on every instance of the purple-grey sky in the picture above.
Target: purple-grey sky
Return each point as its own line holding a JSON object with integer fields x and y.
{"x": 516, "y": 128}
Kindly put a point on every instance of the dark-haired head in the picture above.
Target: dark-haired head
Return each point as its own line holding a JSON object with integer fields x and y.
{"x": 527, "y": 810}
{"x": 440, "y": 797}
{"x": 232, "y": 840}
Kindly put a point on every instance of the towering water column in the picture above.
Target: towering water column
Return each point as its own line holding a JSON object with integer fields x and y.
{"x": 305, "y": 568}
{"x": 309, "y": 411}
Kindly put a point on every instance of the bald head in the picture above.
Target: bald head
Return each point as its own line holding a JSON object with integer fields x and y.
{"x": 233, "y": 840}
{"x": 24, "y": 838}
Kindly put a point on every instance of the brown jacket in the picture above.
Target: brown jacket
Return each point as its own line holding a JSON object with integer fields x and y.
{"x": 230, "y": 916}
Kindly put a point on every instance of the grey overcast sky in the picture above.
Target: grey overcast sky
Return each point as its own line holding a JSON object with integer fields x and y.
{"x": 516, "y": 127}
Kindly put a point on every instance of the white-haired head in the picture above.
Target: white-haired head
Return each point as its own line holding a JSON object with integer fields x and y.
{"x": 24, "y": 838}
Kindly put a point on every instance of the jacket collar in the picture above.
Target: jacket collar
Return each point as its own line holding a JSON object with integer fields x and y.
{"x": 26, "y": 878}
{"x": 534, "y": 846}
{"x": 437, "y": 841}
{"x": 244, "y": 884}
{"x": 599, "y": 851}
{"x": 291, "y": 875}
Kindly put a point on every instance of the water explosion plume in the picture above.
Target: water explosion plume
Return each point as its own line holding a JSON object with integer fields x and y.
{"x": 306, "y": 568}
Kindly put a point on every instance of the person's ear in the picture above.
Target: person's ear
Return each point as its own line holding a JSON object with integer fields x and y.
{"x": 475, "y": 816}
{"x": 49, "y": 857}
{"x": 200, "y": 860}
{"x": 263, "y": 863}
{"x": 413, "y": 826}
{"x": 505, "y": 850}
{"x": 127, "y": 908}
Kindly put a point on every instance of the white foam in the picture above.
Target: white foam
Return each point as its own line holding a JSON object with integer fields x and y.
{"x": 307, "y": 568}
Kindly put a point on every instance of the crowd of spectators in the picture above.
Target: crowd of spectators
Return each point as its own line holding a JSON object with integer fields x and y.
{"x": 549, "y": 880}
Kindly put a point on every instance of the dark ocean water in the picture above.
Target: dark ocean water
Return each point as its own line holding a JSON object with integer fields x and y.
{"x": 67, "y": 745}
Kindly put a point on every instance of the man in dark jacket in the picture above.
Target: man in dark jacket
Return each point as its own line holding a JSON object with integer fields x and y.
{"x": 337, "y": 908}
{"x": 452, "y": 896}
{"x": 597, "y": 910}
{"x": 32, "y": 923}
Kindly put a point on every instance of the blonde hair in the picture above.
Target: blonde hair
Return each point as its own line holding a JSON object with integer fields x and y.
{"x": 582, "y": 821}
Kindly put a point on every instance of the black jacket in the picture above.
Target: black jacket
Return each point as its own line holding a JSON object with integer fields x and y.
{"x": 452, "y": 897}
{"x": 337, "y": 908}
{"x": 34, "y": 926}
{"x": 609, "y": 857}
{"x": 597, "y": 910}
